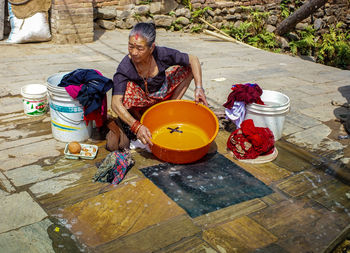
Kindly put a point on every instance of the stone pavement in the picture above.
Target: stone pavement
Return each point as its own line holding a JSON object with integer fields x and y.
{"x": 50, "y": 204}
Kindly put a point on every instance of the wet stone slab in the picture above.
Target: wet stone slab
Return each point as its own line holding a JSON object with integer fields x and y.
{"x": 19, "y": 210}
{"x": 301, "y": 120}
{"x": 29, "y": 174}
{"x": 55, "y": 185}
{"x": 240, "y": 235}
{"x": 123, "y": 211}
{"x": 301, "y": 225}
{"x": 153, "y": 238}
{"x": 11, "y": 104}
{"x": 289, "y": 128}
{"x": 291, "y": 158}
{"x": 314, "y": 139}
{"x": 229, "y": 213}
{"x": 208, "y": 185}
{"x": 13, "y": 138}
{"x": 192, "y": 245}
{"x": 76, "y": 185}
{"x": 30, "y": 153}
{"x": 5, "y": 184}
{"x": 32, "y": 239}
{"x": 265, "y": 172}
{"x": 334, "y": 195}
{"x": 304, "y": 182}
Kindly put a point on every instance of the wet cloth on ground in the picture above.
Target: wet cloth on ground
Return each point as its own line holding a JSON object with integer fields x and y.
{"x": 249, "y": 142}
{"x": 114, "y": 167}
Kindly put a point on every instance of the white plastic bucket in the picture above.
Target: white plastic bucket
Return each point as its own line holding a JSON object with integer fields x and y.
{"x": 34, "y": 99}
{"x": 67, "y": 114}
{"x": 272, "y": 114}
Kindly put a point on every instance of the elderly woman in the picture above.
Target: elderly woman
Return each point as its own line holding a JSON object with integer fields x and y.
{"x": 149, "y": 74}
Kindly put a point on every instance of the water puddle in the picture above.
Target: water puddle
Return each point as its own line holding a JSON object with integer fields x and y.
{"x": 63, "y": 241}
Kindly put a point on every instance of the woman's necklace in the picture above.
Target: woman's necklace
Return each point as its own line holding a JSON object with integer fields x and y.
{"x": 144, "y": 78}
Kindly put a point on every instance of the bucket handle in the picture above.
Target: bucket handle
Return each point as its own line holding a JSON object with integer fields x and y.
{"x": 63, "y": 116}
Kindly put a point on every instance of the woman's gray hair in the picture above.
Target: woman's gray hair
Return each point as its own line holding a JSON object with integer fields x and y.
{"x": 146, "y": 30}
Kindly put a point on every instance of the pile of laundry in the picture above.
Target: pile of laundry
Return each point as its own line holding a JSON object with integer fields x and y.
{"x": 89, "y": 87}
{"x": 247, "y": 141}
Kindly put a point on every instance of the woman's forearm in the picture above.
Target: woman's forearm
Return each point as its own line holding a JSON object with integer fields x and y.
{"x": 196, "y": 70}
{"x": 121, "y": 111}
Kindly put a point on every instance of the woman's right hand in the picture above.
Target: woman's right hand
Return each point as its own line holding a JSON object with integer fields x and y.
{"x": 144, "y": 135}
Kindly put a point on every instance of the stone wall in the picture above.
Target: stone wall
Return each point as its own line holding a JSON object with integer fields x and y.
{"x": 72, "y": 21}
{"x": 126, "y": 16}
{"x": 171, "y": 14}
{"x": 222, "y": 13}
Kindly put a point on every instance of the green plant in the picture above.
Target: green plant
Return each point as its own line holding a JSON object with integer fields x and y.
{"x": 241, "y": 33}
{"x": 175, "y": 26}
{"x": 145, "y": 2}
{"x": 264, "y": 40}
{"x": 250, "y": 28}
{"x": 187, "y": 3}
{"x": 285, "y": 12}
{"x": 306, "y": 44}
{"x": 196, "y": 28}
{"x": 258, "y": 20}
{"x": 137, "y": 17}
{"x": 200, "y": 12}
{"x": 334, "y": 48}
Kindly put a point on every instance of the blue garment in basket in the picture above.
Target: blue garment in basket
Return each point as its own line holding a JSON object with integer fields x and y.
{"x": 94, "y": 89}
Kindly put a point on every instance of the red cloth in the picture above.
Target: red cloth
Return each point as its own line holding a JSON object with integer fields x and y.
{"x": 99, "y": 115}
{"x": 249, "y": 142}
{"x": 135, "y": 97}
{"x": 248, "y": 93}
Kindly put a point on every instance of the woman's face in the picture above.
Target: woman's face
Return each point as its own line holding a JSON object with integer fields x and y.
{"x": 138, "y": 49}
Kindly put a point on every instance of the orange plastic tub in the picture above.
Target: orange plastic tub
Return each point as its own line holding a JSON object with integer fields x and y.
{"x": 182, "y": 130}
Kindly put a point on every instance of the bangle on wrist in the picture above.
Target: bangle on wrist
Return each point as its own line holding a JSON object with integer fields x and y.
{"x": 138, "y": 128}
{"x": 135, "y": 127}
{"x": 199, "y": 87}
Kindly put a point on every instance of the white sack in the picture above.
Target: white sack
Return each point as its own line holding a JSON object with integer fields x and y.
{"x": 33, "y": 29}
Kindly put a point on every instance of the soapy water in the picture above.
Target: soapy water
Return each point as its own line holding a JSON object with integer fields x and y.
{"x": 187, "y": 137}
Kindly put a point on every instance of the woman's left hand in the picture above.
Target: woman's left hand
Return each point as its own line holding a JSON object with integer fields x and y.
{"x": 144, "y": 135}
{"x": 199, "y": 96}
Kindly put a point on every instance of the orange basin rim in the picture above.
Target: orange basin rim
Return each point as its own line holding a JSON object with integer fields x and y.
{"x": 190, "y": 102}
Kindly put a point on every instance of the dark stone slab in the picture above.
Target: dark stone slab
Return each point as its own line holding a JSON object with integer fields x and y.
{"x": 212, "y": 183}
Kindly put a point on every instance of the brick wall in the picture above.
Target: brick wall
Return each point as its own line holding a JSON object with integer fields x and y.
{"x": 72, "y": 21}
{"x": 101, "y": 3}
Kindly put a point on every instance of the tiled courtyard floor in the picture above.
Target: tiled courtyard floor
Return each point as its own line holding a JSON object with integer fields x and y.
{"x": 306, "y": 211}
{"x": 51, "y": 204}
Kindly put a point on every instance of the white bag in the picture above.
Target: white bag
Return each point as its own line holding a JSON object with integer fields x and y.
{"x": 33, "y": 29}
